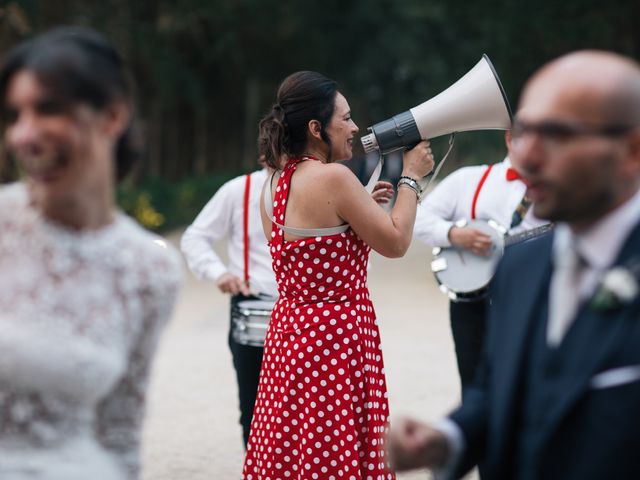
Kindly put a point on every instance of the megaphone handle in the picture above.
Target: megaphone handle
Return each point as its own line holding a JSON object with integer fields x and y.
{"x": 425, "y": 181}
{"x": 375, "y": 176}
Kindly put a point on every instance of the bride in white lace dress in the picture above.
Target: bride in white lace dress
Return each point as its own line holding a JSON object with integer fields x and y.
{"x": 84, "y": 291}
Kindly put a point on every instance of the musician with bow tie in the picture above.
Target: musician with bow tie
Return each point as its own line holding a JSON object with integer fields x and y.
{"x": 448, "y": 218}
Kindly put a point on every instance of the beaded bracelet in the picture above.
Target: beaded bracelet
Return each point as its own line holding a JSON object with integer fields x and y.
{"x": 412, "y": 181}
{"x": 409, "y": 178}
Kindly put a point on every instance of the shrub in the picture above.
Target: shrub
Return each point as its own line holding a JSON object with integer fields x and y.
{"x": 162, "y": 205}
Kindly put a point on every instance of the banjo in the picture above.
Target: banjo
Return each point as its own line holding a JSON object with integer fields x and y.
{"x": 465, "y": 276}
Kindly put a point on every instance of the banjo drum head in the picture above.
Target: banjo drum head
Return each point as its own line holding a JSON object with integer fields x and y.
{"x": 463, "y": 272}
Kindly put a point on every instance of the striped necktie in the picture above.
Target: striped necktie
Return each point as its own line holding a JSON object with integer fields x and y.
{"x": 520, "y": 211}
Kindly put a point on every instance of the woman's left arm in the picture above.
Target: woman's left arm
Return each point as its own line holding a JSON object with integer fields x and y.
{"x": 120, "y": 414}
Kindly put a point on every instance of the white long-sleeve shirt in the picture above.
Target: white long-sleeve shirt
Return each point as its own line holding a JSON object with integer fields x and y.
{"x": 452, "y": 200}
{"x": 222, "y": 217}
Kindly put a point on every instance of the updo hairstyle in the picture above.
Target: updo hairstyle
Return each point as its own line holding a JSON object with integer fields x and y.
{"x": 302, "y": 97}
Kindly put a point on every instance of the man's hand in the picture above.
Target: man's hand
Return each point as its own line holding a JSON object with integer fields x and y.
{"x": 382, "y": 192}
{"x": 413, "y": 444}
{"x": 471, "y": 239}
{"x": 229, "y": 283}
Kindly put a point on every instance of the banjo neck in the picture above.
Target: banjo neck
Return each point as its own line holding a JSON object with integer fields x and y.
{"x": 528, "y": 234}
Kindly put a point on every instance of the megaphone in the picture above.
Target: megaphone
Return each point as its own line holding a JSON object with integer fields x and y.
{"x": 475, "y": 102}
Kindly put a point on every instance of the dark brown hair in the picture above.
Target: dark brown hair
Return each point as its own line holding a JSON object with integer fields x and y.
{"x": 302, "y": 97}
{"x": 78, "y": 65}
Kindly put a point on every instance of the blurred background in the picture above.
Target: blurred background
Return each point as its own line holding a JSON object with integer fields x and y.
{"x": 207, "y": 70}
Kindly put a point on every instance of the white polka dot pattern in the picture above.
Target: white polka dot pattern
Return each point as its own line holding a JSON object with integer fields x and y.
{"x": 321, "y": 410}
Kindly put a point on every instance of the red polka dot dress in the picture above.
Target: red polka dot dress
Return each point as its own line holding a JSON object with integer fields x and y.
{"x": 321, "y": 410}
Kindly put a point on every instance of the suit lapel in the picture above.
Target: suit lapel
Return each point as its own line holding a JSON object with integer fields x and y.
{"x": 517, "y": 313}
{"x": 600, "y": 336}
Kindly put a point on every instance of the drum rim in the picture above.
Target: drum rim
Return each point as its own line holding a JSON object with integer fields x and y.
{"x": 250, "y": 333}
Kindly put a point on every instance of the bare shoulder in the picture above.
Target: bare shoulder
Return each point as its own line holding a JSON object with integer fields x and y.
{"x": 336, "y": 174}
{"x": 339, "y": 169}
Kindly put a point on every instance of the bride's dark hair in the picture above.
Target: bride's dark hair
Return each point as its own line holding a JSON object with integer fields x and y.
{"x": 79, "y": 65}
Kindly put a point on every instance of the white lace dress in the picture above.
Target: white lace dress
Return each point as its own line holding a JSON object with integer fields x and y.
{"x": 80, "y": 317}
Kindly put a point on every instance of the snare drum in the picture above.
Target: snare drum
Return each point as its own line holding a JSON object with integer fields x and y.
{"x": 250, "y": 320}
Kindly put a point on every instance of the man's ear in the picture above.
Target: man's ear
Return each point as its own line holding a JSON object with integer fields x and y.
{"x": 315, "y": 129}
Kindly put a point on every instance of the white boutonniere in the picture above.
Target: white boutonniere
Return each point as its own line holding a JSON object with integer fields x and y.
{"x": 619, "y": 287}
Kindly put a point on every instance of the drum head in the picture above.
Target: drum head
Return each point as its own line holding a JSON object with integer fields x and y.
{"x": 250, "y": 320}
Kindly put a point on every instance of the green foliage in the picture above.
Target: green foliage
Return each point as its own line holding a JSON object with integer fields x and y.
{"x": 161, "y": 205}
{"x": 207, "y": 70}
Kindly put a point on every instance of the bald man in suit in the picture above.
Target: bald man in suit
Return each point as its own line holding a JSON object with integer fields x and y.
{"x": 558, "y": 393}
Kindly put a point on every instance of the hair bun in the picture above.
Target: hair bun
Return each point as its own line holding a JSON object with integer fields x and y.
{"x": 278, "y": 112}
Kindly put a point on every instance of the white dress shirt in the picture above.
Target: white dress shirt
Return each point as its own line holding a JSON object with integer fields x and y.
{"x": 223, "y": 217}
{"x": 598, "y": 246}
{"x": 452, "y": 200}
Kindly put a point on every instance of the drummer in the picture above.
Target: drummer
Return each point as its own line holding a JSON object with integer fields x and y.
{"x": 233, "y": 213}
{"x": 485, "y": 192}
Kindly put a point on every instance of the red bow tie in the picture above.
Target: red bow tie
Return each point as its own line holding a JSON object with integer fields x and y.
{"x": 512, "y": 174}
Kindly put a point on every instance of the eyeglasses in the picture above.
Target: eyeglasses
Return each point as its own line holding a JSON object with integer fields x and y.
{"x": 555, "y": 134}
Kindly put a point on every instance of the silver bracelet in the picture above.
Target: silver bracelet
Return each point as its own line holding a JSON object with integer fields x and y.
{"x": 412, "y": 183}
{"x": 408, "y": 185}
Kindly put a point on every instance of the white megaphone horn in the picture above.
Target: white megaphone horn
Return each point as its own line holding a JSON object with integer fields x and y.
{"x": 475, "y": 102}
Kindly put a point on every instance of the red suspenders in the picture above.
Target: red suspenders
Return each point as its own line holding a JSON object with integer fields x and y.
{"x": 475, "y": 195}
{"x": 247, "y": 187}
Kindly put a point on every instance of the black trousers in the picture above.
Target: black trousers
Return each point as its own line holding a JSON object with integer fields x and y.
{"x": 246, "y": 362}
{"x": 468, "y": 326}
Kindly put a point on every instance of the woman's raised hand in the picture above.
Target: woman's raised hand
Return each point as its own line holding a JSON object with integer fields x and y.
{"x": 418, "y": 162}
{"x": 382, "y": 192}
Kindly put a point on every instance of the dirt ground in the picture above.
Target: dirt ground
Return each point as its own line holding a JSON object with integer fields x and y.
{"x": 192, "y": 430}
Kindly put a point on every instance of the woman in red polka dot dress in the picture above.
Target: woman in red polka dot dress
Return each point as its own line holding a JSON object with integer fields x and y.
{"x": 321, "y": 410}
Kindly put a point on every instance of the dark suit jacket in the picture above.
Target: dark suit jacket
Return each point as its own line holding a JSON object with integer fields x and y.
{"x": 590, "y": 433}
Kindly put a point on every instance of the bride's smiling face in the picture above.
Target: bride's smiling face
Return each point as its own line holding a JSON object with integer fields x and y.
{"x": 60, "y": 146}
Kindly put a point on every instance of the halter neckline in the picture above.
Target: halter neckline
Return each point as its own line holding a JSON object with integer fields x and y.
{"x": 301, "y": 158}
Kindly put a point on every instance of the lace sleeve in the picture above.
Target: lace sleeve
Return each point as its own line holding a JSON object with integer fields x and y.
{"x": 120, "y": 414}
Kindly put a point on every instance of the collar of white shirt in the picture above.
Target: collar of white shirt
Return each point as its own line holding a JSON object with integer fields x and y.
{"x": 601, "y": 244}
